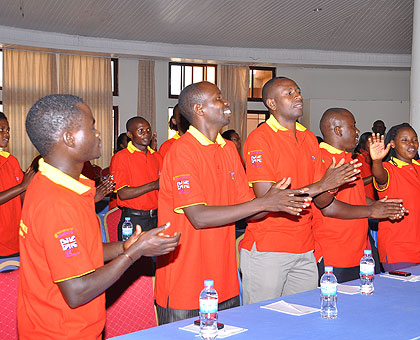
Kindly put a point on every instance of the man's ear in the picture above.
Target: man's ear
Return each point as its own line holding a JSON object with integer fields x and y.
{"x": 271, "y": 104}
{"x": 392, "y": 144}
{"x": 129, "y": 135}
{"x": 338, "y": 131}
{"x": 198, "y": 109}
{"x": 68, "y": 139}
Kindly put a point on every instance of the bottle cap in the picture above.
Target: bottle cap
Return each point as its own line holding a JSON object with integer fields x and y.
{"x": 368, "y": 252}
{"x": 128, "y": 218}
{"x": 328, "y": 269}
{"x": 208, "y": 283}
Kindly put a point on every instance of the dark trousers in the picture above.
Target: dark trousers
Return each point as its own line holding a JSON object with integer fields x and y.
{"x": 342, "y": 274}
{"x": 146, "y": 222}
{"x": 167, "y": 315}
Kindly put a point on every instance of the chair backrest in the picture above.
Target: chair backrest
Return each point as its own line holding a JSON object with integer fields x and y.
{"x": 238, "y": 250}
{"x": 130, "y": 301}
{"x": 8, "y": 304}
{"x": 111, "y": 220}
{"x": 9, "y": 265}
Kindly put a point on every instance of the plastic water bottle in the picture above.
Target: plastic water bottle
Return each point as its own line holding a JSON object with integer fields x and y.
{"x": 367, "y": 270}
{"x": 208, "y": 311}
{"x": 328, "y": 294}
{"x": 127, "y": 229}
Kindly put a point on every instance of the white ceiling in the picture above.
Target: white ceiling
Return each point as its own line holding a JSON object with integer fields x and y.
{"x": 363, "y": 26}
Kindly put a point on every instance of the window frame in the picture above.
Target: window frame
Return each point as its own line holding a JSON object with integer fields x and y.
{"x": 1, "y": 87}
{"x": 115, "y": 91}
{"x": 259, "y": 68}
{"x": 173, "y": 96}
{"x": 116, "y": 114}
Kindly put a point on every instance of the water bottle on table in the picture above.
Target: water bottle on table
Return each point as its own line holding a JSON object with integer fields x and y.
{"x": 367, "y": 270}
{"x": 208, "y": 311}
{"x": 127, "y": 229}
{"x": 328, "y": 294}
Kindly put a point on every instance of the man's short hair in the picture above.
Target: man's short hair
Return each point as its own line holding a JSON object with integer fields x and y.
{"x": 132, "y": 120}
{"x": 3, "y": 116}
{"x": 49, "y": 117}
{"x": 331, "y": 118}
{"x": 189, "y": 96}
{"x": 268, "y": 86}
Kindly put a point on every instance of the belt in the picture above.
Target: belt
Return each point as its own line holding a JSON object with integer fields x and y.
{"x": 135, "y": 212}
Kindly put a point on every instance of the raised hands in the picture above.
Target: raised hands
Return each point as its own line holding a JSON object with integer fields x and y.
{"x": 106, "y": 187}
{"x": 377, "y": 148}
{"x": 151, "y": 243}
{"x": 339, "y": 173}
{"x": 391, "y": 208}
{"x": 292, "y": 201}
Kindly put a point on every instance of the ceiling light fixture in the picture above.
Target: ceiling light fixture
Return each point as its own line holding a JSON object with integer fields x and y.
{"x": 318, "y": 9}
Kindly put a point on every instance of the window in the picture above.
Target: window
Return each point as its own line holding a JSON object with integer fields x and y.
{"x": 254, "y": 118}
{"x": 114, "y": 76}
{"x": 258, "y": 76}
{"x": 1, "y": 69}
{"x": 115, "y": 118}
{"x": 183, "y": 74}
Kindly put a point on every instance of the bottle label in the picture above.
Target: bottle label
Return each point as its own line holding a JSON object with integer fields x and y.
{"x": 127, "y": 231}
{"x": 208, "y": 305}
{"x": 328, "y": 288}
{"x": 367, "y": 268}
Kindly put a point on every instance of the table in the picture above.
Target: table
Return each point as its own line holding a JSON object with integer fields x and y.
{"x": 392, "y": 312}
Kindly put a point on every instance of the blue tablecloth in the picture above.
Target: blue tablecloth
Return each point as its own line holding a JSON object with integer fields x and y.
{"x": 392, "y": 312}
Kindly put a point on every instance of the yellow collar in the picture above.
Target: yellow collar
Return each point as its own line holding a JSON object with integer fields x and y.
{"x": 4, "y": 154}
{"x": 132, "y": 148}
{"x": 176, "y": 135}
{"x": 60, "y": 178}
{"x": 203, "y": 139}
{"x": 330, "y": 148}
{"x": 401, "y": 163}
{"x": 275, "y": 125}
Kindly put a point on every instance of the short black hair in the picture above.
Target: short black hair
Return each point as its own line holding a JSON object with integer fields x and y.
{"x": 392, "y": 133}
{"x": 120, "y": 140}
{"x": 3, "y": 116}
{"x": 131, "y": 121}
{"x": 228, "y": 134}
{"x": 50, "y": 116}
{"x": 267, "y": 88}
{"x": 189, "y": 96}
{"x": 330, "y": 119}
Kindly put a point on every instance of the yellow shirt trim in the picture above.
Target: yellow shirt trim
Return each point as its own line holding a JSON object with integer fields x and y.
{"x": 176, "y": 135}
{"x": 401, "y": 163}
{"x": 275, "y": 125}
{"x": 73, "y": 277}
{"x": 60, "y": 178}
{"x": 376, "y": 185}
{"x": 330, "y": 148}
{"x": 131, "y": 148}
{"x": 180, "y": 210}
{"x": 203, "y": 139}
{"x": 4, "y": 154}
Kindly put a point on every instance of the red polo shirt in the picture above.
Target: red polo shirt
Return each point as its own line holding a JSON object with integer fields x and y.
{"x": 271, "y": 153}
{"x": 10, "y": 176}
{"x": 399, "y": 241}
{"x": 198, "y": 171}
{"x": 59, "y": 240}
{"x": 132, "y": 167}
{"x": 341, "y": 242}
{"x": 164, "y": 148}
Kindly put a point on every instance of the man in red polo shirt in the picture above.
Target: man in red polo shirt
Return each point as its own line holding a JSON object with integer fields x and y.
{"x": 62, "y": 276}
{"x": 203, "y": 191}
{"x": 136, "y": 171}
{"x": 277, "y": 252}
{"x": 340, "y": 243}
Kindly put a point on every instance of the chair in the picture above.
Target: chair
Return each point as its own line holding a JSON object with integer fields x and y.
{"x": 130, "y": 301}
{"x": 10, "y": 264}
{"x": 111, "y": 220}
{"x": 8, "y": 304}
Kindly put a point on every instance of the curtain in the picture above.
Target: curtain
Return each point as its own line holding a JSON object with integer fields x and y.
{"x": 234, "y": 84}
{"x": 27, "y": 76}
{"x": 146, "y": 106}
{"x": 90, "y": 79}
